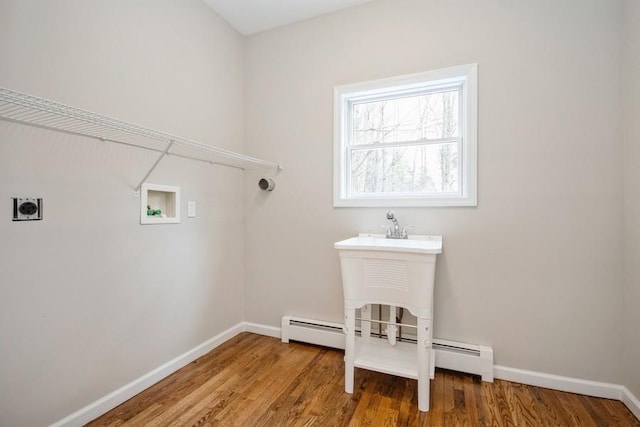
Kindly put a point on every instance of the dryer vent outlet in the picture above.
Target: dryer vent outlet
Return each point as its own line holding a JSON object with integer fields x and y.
{"x": 266, "y": 184}
{"x": 27, "y": 209}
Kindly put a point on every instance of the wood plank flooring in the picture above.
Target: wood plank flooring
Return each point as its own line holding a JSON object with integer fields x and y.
{"x": 252, "y": 380}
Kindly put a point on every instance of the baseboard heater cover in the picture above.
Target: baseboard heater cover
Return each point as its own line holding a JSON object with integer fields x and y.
{"x": 310, "y": 331}
{"x": 470, "y": 358}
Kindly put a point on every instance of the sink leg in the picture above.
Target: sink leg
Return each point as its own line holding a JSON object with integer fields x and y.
{"x": 424, "y": 356}
{"x": 349, "y": 348}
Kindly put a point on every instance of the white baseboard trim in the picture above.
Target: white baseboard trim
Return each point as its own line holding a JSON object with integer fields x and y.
{"x": 557, "y": 382}
{"x": 631, "y": 401}
{"x": 115, "y": 398}
{"x": 571, "y": 385}
{"x": 269, "y": 331}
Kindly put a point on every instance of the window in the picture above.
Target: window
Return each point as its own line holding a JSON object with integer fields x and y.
{"x": 407, "y": 141}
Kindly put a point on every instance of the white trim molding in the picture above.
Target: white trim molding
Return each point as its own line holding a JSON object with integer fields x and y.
{"x": 631, "y": 401}
{"x": 571, "y": 385}
{"x": 256, "y": 328}
{"x": 558, "y": 382}
{"x": 127, "y": 391}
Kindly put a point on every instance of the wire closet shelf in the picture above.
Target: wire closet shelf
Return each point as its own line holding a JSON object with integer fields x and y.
{"x": 43, "y": 113}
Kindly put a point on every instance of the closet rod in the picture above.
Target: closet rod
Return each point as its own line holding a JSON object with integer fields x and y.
{"x": 39, "y": 112}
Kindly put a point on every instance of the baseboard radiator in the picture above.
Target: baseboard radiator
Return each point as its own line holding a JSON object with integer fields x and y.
{"x": 470, "y": 358}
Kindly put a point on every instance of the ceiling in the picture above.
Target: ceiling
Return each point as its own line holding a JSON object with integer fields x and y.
{"x": 252, "y": 16}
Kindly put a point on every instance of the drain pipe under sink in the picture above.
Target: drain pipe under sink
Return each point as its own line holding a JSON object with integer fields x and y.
{"x": 392, "y": 329}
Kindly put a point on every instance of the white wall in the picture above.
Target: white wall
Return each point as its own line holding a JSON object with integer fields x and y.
{"x": 536, "y": 269}
{"x": 89, "y": 298}
{"x": 631, "y": 105}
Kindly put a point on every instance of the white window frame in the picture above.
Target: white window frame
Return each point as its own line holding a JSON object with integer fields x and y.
{"x": 344, "y": 97}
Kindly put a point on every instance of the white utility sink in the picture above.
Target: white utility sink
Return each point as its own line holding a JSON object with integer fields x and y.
{"x": 397, "y": 273}
{"x": 378, "y": 242}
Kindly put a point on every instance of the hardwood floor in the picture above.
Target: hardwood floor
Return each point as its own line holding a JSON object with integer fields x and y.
{"x": 253, "y": 380}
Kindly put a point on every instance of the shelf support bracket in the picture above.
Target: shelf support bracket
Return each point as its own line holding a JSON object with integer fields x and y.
{"x": 164, "y": 153}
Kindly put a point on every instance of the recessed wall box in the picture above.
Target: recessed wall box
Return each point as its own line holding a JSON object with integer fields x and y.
{"x": 159, "y": 204}
{"x": 27, "y": 209}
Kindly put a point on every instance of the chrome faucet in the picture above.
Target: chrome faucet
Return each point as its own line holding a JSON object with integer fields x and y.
{"x": 396, "y": 232}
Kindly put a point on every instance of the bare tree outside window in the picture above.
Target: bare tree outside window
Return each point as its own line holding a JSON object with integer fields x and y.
{"x": 407, "y": 144}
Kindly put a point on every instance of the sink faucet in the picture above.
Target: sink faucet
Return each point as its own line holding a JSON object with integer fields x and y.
{"x": 396, "y": 232}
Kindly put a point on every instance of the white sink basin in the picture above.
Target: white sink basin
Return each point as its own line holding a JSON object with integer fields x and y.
{"x": 378, "y": 242}
{"x": 396, "y": 272}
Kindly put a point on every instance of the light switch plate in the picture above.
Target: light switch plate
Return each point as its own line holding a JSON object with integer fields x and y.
{"x": 191, "y": 209}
